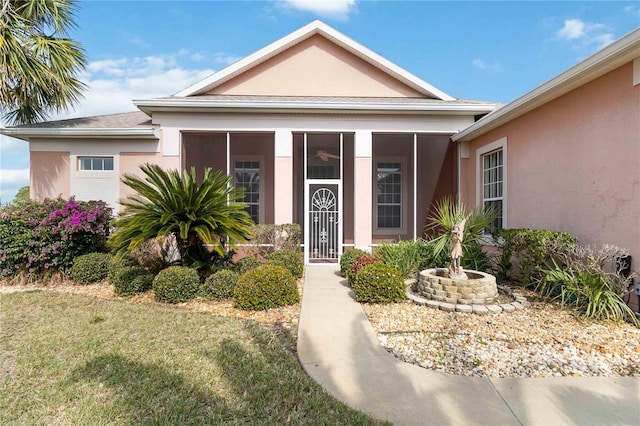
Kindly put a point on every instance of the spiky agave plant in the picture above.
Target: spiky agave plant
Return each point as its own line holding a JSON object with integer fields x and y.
{"x": 167, "y": 204}
{"x": 447, "y": 213}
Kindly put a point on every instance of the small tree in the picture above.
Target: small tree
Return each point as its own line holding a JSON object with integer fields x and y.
{"x": 204, "y": 220}
{"x": 447, "y": 213}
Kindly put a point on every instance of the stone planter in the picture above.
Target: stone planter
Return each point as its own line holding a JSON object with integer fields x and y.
{"x": 479, "y": 289}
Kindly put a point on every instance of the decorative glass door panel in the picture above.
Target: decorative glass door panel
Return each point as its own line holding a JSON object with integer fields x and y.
{"x": 324, "y": 222}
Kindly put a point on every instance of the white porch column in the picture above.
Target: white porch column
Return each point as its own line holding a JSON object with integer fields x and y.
{"x": 283, "y": 176}
{"x": 171, "y": 154}
{"x": 363, "y": 189}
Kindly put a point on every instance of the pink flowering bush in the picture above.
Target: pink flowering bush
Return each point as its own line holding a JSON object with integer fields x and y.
{"x": 40, "y": 237}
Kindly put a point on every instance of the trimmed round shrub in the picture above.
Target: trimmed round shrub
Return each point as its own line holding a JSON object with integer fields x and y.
{"x": 265, "y": 287}
{"x": 347, "y": 260}
{"x": 379, "y": 283}
{"x": 290, "y": 259}
{"x": 130, "y": 280}
{"x": 360, "y": 261}
{"x": 176, "y": 284}
{"x": 246, "y": 264}
{"x": 219, "y": 285}
{"x": 90, "y": 268}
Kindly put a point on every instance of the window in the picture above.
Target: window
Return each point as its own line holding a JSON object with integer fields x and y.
{"x": 95, "y": 163}
{"x": 493, "y": 184}
{"x": 247, "y": 176}
{"x": 389, "y": 195}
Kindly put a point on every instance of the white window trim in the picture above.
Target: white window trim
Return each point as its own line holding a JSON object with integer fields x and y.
{"x": 403, "y": 195}
{"x": 260, "y": 160}
{"x": 79, "y": 159}
{"x": 480, "y": 152}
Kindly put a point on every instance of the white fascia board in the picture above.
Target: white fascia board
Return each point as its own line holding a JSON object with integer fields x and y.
{"x": 315, "y": 27}
{"x": 27, "y": 133}
{"x": 292, "y": 106}
{"x": 611, "y": 57}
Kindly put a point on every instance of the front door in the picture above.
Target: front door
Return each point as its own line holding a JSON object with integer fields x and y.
{"x": 324, "y": 232}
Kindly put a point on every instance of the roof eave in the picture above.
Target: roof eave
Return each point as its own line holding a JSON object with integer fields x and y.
{"x": 611, "y": 57}
{"x": 75, "y": 133}
{"x": 156, "y": 105}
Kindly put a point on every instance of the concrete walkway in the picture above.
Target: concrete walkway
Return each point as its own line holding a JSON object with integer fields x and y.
{"x": 339, "y": 349}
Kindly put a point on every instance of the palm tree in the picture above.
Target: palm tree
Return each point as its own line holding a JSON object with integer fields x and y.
{"x": 446, "y": 214}
{"x": 37, "y": 63}
{"x": 167, "y": 204}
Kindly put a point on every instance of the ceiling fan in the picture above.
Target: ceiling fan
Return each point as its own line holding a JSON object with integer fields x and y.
{"x": 325, "y": 156}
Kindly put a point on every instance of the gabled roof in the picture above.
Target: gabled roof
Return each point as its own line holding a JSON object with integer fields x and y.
{"x": 620, "y": 52}
{"x": 315, "y": 27}
{"x": 128, "y": 125}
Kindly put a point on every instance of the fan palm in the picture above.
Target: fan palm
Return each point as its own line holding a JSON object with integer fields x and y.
{"x": 448, "y": 213}
{"x": 37, "y": 63}
{"x": 199, "y": 217}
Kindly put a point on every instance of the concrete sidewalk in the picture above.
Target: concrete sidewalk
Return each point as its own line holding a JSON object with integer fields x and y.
{"x": 339, "y": 349}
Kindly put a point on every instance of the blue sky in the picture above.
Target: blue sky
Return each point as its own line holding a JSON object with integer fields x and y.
{"x": 495, "y": 51}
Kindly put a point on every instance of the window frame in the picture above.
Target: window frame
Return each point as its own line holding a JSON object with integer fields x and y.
{"x": 80, "y": 159}
{"x": 403, "y": 195}
{"x": 481, "y": 153}
{"x": 260, "y": 160}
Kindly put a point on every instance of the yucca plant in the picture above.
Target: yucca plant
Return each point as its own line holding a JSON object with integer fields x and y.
{"x": 204, "y": 220}
{"x": 447, "y": 213}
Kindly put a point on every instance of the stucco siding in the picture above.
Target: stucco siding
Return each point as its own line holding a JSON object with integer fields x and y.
{"x": 130, "y": 163}
{"x": 316, "y": 67}
{"x": 574, "y": 164}
{"x": 49, "y": 175}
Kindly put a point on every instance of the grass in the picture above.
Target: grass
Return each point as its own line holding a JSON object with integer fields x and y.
{"x": 69, "y": 359}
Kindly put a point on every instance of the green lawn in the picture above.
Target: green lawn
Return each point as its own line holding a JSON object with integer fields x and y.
{"x": 76, "y": 360}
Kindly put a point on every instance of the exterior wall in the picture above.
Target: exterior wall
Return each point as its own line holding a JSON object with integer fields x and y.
{"x": 49, "y": 175}
{"x": 55, "y": 167}
{"x": 130, "y": 163}
{"x": 316, "y": 67}
{"x": 573, "y": 164}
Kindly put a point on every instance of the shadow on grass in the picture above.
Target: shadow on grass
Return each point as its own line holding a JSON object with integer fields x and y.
{"x": 149, "y": 394}
{"x": 272, "y": 385}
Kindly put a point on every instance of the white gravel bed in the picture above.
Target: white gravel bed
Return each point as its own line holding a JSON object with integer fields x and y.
{"x": 540, "y": 341}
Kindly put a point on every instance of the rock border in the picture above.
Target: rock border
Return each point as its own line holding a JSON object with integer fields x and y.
{"x": 520, "y": 302}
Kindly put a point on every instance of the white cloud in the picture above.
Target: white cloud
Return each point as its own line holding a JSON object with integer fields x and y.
{"x": 10, "y": 181}
{"x": 585, "y": 34}
{"x": 572, "y": 29}
{"x": 113, "y": 83}
{"x": 481, "y": 64}
{"x": 335, "y": 9}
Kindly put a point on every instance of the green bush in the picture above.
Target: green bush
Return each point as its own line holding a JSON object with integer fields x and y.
{"x": 130, "y": 280}
{"x": 527, "y": 252}
{"x": 360, "y": 262}
{"x": 590, "y": 281}
{"x": 409, "y": 257}
{"x": 176, "y": 284}
{"x": 347, "y": 260}
{"x": 379, "y": 283}
{"x": 268, "y": 238}
{"x": 246, "y": 264}
{"x": 90, "y": 268}
{"x": 148, "y": 255}
{"x": 290, "y": 259}
{"x": 265, "y": 287}
{"x": 219, "y": 285}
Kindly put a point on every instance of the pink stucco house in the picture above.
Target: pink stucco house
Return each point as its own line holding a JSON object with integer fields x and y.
{"x": 565, "y": 156}
{"x": 317, "y": 128}
{"x": 323, "y": 132}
